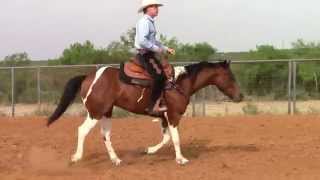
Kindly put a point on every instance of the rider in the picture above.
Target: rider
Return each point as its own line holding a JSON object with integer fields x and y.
{"x": 147, "y": 47}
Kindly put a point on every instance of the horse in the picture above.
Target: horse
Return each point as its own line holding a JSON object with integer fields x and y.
{"x": 101, "y": 90}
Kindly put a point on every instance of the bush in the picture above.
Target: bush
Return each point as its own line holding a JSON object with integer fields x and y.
{"x": 250, "y": 109}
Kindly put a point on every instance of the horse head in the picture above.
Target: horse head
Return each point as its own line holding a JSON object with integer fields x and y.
{"x": 224, "y": 80}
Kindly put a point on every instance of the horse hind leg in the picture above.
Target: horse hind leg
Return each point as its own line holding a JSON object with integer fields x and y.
{"x": 165, "y": 138}
{"x": 106, "y": 131}
{"x": 83, "y": 131}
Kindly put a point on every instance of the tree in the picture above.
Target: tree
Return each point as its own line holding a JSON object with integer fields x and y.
{"x": 17, "y": 59}
{"x": 203, "y": 50}
{"x": 127, "y": 40}
{"x": 24, "y": 82}
{"x": 186, "y": 51}
{"x": 78, "y": 53}
{"x": 302, "y": 49}
{"x": 121, "y": 50}
{"x": 270, "y": 52}
{"x": 264, "y": 79}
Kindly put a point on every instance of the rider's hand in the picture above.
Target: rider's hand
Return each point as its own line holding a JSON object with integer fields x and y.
{"x": 171, "y": 51}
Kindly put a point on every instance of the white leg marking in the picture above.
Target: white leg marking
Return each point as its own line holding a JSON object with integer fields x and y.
{"x": 106, "y": 131}
{"x": 156, "y": 120}
{"x": 165, "y": 140}
{"x": 83, "y": 131}
{"x": 176, "y": 142}
{"x": 97, "y": 76}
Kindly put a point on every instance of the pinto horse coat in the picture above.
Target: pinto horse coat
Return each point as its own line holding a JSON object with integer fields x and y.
{"x": 102, "y": 90}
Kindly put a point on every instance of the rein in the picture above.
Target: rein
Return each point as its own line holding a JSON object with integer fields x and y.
{"x": 172, "y": 85}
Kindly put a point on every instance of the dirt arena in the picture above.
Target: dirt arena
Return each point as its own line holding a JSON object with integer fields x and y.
{"x": 264, "y": 147}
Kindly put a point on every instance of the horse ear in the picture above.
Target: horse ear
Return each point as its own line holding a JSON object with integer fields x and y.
{"x": 227, "y": 62}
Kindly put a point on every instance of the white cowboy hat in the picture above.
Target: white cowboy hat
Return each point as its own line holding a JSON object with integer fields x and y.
{"x": 146, "y": 3}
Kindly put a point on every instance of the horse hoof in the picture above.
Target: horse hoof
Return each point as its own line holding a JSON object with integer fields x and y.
{"x": 182, "y": 161}
{"x": 116, "y": 161}
{"x": 75, "y": 158}
{"x": 150, "y": 151}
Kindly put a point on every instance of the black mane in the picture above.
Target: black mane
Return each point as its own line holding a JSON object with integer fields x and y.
{"x": 194, "y": 69}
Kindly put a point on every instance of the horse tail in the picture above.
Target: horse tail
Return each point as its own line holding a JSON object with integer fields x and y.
{"x": 70, "y": 92}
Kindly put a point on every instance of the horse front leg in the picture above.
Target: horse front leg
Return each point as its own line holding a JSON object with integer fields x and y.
{"x": 173, "y": 128}
{"x": 165, "y": 138}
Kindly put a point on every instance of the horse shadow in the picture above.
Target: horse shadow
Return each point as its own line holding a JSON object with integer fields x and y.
{"x": 197, "y": 148}
{"x": 192, "y": 151}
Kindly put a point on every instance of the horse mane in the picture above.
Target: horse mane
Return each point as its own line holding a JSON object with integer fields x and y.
{"x": 194, "y": 69}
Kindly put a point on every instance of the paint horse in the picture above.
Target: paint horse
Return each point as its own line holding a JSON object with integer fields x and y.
{"x": 105, "y": 88}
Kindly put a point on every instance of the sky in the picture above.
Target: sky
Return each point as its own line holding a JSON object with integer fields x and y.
{"x": 44, "y": 28}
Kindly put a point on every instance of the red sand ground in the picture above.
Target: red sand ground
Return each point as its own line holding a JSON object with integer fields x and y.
{"x": 257, "y": 147}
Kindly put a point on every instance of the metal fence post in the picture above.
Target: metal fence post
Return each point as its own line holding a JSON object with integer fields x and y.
{"x": 39, "y": 88}
{"x": 12, "y": 92}
{"x": 289, "y": 86}
{"x": 294, "y": 95}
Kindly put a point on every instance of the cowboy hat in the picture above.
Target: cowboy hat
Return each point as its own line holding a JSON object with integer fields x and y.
{"x": 146, "y": 3}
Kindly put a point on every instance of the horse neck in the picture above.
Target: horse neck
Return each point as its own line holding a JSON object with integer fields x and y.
{"x": 194, "y": 83}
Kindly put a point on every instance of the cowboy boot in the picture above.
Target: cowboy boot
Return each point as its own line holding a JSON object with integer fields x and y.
{"x": 156, "y": 109}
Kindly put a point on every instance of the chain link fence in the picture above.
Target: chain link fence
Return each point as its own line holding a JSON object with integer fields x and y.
{"x": 269, "y": 86}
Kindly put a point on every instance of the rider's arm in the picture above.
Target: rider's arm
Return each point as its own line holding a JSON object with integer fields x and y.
{"x": 159, "y": 44}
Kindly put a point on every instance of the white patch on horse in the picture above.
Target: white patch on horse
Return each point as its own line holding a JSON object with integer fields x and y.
{"x": 178, "y": 71}
{"x": 83, "y": 131}
{"x": 97, "y": 76}
{"x": 106, "y": 131}
{"x": 176, "y": 142}
{"x": 165, "y": 140}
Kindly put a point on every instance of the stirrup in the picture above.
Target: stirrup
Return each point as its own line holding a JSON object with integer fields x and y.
{"x": 153, "y": 113}
{"x": 159, "y": 106}
{"x": 163, "y": 109}
{"x": 156, "y": 110}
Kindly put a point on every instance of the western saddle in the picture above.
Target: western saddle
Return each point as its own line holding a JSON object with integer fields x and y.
{"x": 132, "y": 72}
